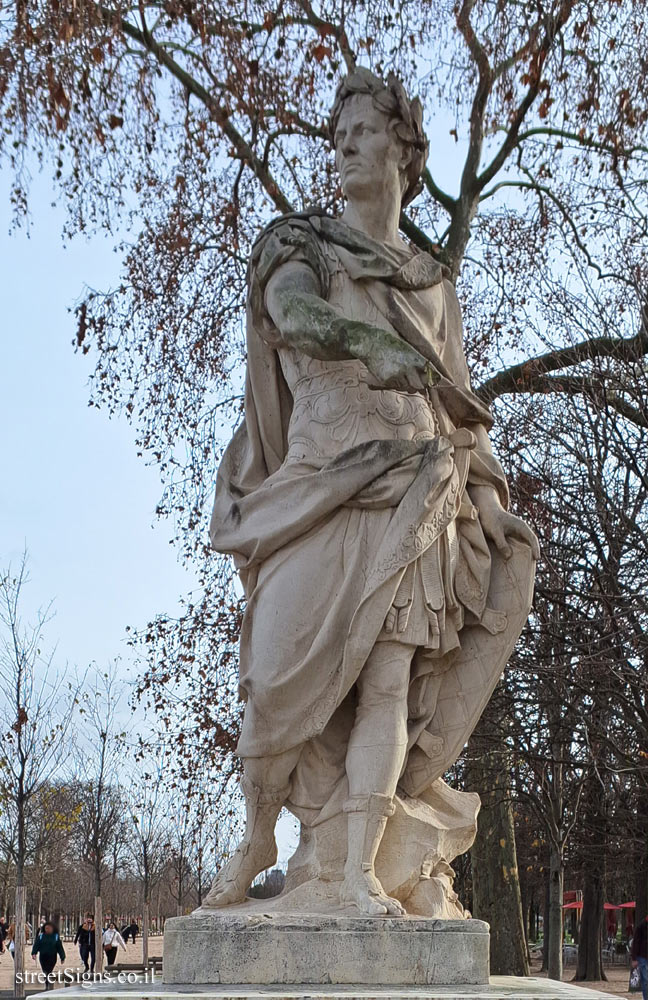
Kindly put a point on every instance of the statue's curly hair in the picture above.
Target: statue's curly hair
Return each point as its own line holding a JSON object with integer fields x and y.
{"x": 407, "y": 118}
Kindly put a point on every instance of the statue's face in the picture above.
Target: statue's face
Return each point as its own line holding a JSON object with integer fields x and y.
{"x": 368, "y": 154}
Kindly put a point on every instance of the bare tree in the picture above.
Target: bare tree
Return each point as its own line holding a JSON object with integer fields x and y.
{"x": 150, "y": 837}
{"x": 36, "y": 708}
{"x": 495, "y": 877}
{"x": 99, "y": 764}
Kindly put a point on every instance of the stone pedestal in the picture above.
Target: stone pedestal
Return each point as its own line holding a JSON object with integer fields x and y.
{"x": 263, "y": 948}
{"x": 499, "y": 988}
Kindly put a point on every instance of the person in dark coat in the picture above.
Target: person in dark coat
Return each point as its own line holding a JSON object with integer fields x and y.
{"x": 639, "y": 954}
{"x": 85, "y": 938}
{"x": 47, "y": 947}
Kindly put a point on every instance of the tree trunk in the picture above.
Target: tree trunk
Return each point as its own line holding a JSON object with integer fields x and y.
{"x": 556, "y": 881}
{"x": 113, "y": 879}
{"x": 496, "y": 885}
{"x": 593, "y": 843}
{"x": 199, "y": 879}
{"x": 532, "y": 923}
{"x": 524, "y": 902}
{"x": 590, "y": 961}
{"x": 496, "y": 890}
{"x": 546, "y": 927}
{"x": 145, "y": 934}
{"x": 641, "y": 897}
{"x": 98, "y": 918}
{"x": 5, "y": 890}
{"x": 19, "y": 941}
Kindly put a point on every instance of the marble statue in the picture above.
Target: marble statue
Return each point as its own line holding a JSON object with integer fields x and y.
{"x": 386, "y": 582}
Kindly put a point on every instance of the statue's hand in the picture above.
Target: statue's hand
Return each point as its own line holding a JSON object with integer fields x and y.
{"x": 498, "y": 525}
{"x": 395, "y": 365}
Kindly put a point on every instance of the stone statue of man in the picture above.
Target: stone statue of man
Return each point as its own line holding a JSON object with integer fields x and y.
{"x": 386, "y": 582}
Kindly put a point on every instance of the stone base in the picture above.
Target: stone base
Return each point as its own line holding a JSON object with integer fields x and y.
{"x": 226, "y": 947}
{"x": 499, "y": 988}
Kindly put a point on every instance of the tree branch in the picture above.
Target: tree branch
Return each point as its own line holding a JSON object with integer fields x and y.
{"x": 445, "y": 200}
{"x": 328, "y": 28}
{"x": 572, "y": 385}
{"x": 524, "y": 377}
{"x": 480, "y": 99}
{"x": 419, "y": 238}
{"x": 543, "y": 190}
{"x": 580, "y": 140}
{"x": 554, "y": 27}
{"x": 301, "y": 125}
{"x": 217, "y": 113}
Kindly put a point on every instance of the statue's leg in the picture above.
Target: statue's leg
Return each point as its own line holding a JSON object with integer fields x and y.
{"x": 375, "y": 757}
{"x": 266, "y": 786}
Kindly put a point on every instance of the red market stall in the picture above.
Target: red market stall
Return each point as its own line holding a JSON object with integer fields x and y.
{"x": 611, "y": 911}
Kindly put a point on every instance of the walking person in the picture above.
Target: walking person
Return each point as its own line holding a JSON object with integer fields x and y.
{"x": 48, "y": 946}
{"x": 134, "y": 930}
{"x": 85, "y": 938}
{"x": 639, "y": 954}
{"x": 11, "y": 937}
{"x": 112, "y": 940}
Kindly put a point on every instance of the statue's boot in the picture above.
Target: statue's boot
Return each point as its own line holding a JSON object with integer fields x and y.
{"x": 258, "y": 849}
{"x": 367, "y": 817}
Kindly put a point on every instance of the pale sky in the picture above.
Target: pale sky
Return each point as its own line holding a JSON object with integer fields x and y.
{"x": 72, "y": 489}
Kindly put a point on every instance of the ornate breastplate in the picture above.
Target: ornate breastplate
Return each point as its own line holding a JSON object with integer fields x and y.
{"x": 334, "y": 409}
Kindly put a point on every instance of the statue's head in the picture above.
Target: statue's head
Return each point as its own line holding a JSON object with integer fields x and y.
{"x": 383, "y": 126}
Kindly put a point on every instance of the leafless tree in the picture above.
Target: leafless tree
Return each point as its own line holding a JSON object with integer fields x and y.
{"x": 37, "y": 705}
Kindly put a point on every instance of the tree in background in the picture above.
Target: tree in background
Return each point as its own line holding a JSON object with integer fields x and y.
{"x": 150, "y": 842}
{"x": 99, "y": 765}
{"x": 579, "y": 675}
{"x": 54, "y": 824}
{"x": 36, "y": 707}
{"x": 202, "y": 835}
{"x": 495, "y": 877}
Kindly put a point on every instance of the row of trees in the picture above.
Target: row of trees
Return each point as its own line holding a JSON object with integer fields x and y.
{"x": 210, "y": 118}
{"x": 91, "y": 815}
{"x": 564, "y": 740}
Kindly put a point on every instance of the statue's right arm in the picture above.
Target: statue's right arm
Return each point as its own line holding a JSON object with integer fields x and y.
{"x": 310, "y": 324}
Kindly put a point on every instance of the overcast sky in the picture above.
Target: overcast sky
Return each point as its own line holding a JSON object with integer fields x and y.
{"x": 72, "y": 489}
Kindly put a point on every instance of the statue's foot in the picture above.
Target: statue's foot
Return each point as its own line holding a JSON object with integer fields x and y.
{"x": 363, "y": 890}
{"x": 232, "y": 883}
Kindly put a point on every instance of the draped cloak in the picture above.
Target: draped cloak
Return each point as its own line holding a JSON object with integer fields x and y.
{"x": 341, "y": 540}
